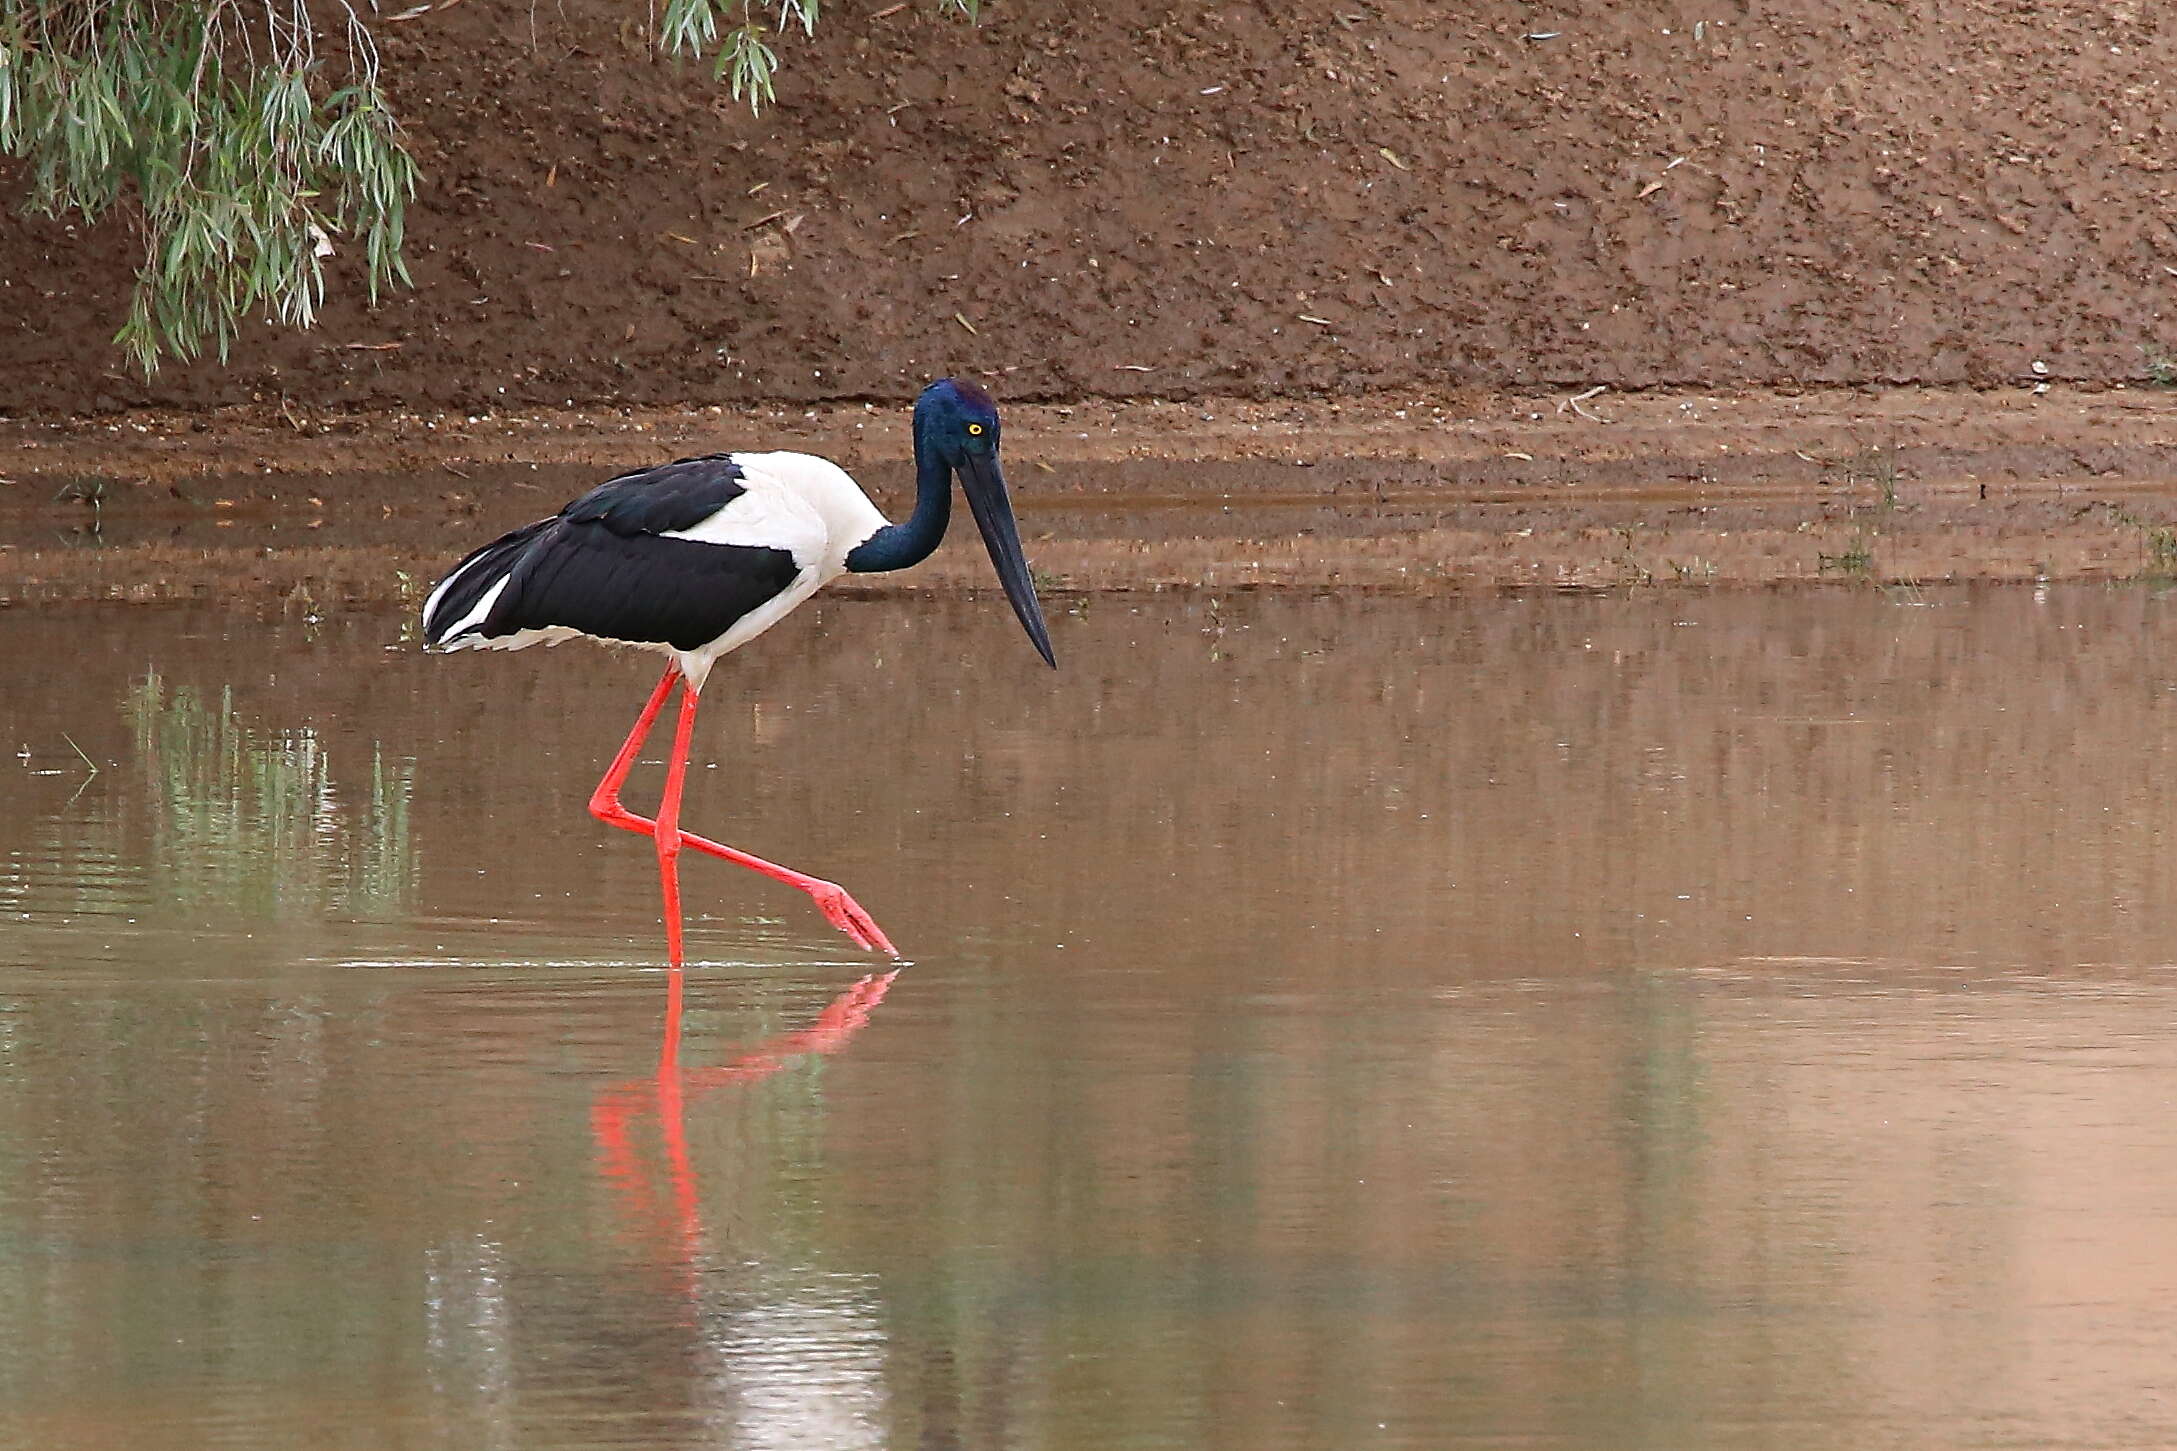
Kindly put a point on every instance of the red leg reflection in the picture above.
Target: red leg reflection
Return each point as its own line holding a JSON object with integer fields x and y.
{"x": 833, "y": 1029}
{"x": 618, "y": 1109}
{"x": 840, "y": 909}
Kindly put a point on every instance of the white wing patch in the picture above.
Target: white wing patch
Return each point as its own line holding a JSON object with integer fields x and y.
{"x": 769, "y": 514}
{"x": 828, "y": 491}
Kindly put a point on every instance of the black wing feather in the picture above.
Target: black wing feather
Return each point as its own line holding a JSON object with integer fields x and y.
{"x": 466, "y": 587}
{"x": 661, "y": 500}
{"x": 600, "y": 566}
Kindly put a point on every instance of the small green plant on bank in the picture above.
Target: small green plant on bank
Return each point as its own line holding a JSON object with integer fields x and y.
{"x": 1903, "y": 592}
{"x": 2159, "y": 365}
{"x": 2161, "y": 550}
{"x": 2160, "y": 539}
{"x": 251, "y": 140}
{"x": 1875, "y": 466}
{"x": 1635, "y": 571}
{"x": 1858, "y": 561}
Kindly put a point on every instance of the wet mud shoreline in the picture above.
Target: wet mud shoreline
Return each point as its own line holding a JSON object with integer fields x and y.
{"x": 1399, "y": 493}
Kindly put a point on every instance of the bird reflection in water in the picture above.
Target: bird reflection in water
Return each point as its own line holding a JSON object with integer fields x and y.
{"x": 619, "y": 1112}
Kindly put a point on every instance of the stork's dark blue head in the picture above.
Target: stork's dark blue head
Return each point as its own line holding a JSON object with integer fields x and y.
{"x": 956, "y": 423}
{"x": 957, "y": 419}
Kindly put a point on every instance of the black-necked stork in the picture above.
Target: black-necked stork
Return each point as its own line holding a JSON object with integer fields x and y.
{"x": 696, "y": 558}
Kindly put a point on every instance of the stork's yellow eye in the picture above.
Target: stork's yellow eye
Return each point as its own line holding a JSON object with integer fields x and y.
{"x": 976, "y": 429}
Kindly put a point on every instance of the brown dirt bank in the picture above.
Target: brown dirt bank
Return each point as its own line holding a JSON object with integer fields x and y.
{"x": 1202, "y": 200}
{"x": 1409, "y": 494}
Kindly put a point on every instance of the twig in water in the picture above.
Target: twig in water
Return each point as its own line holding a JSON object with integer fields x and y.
{"x": 71, "y": 740}
{"x": 85, "y": 784}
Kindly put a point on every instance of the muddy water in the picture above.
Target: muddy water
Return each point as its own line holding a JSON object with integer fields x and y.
{"x": 1689, "y": 1021}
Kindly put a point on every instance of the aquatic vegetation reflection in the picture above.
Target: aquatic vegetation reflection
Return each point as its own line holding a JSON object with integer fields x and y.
{"x": 250, "y": 820}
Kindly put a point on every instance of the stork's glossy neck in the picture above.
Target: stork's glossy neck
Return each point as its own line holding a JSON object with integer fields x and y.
{"x": 896, "y": 546}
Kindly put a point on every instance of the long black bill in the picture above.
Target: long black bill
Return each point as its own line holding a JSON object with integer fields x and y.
{"x": 984, "y": 485}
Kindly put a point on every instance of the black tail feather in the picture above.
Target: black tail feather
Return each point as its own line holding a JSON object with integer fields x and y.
{"x": 469, "y": 581}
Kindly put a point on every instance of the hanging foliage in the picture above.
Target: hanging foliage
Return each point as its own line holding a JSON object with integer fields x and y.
{"x": 251, "y": 141}
{"x": 250, "y": 145}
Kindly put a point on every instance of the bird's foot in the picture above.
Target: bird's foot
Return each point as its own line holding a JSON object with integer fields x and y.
{"x": 840, "y": 909}
{"x": 846, "y": 914}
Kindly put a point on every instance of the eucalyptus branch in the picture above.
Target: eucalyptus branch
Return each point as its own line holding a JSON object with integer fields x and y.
{"x": 245, "y": 151}
{"x": 215, "y": 124}
{"x": 737, "y": 35}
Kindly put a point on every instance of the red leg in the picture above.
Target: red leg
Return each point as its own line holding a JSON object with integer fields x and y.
{"x": 840, "y": 909}
{"x": 665, "y": 831}
{"x": 605, "y": 800}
